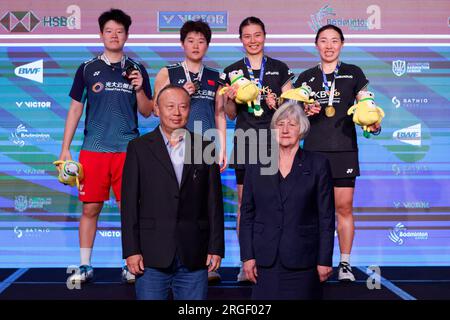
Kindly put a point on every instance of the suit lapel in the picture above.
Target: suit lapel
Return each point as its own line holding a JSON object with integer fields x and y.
{"x": 275, "y": 179}
{"x": 159, "y": 150}
{"x": 298, "y": 168}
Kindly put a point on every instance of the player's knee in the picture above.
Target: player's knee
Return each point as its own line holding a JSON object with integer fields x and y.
{"x": 91, "y": 211}
{"x": 344, "y": 211}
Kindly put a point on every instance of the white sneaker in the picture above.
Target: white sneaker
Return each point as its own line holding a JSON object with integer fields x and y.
{"x": 127, "y": 276}
{"x": 345, "y": 272}
{"x": 213, "y": 276}
{"x": 241, "y": 277}
{"x": 84, "y": 274}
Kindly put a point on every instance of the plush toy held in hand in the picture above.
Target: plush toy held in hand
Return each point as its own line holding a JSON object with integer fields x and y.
{"x": 247, "y": 92}
{"x": 365, "y": 112}
{"x": 302, "y": 94}
{"x": 70, "y": 172}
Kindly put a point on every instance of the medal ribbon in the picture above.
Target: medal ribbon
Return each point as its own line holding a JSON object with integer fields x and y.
{"x": 188, "y": 76}
{"x": 252, "y": 75}
{"x": 106, "y": 60}
{"x": 333, "y": 85}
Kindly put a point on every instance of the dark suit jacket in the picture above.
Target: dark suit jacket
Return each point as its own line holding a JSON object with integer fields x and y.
{"x": 159, "y": 218}
{"x": 298, "y": 225}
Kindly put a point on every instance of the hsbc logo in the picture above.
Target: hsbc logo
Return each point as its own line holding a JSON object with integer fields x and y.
{"x": 32, "y": 71}
{"x": 411, "y": 135}
{"x": 27, "y": 21}
{"x": 19, "y": 21}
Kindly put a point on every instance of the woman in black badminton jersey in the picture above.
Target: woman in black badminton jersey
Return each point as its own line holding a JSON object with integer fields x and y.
{"x": 336, "y": 85}
{"x": 269, "y": 74}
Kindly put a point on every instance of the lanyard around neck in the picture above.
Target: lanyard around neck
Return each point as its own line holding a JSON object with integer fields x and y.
{"x": 252, "y": 75}
{"x": 187, "y": 74}
{"x": 333, "y": 84}
{"x": 106, "y": 60}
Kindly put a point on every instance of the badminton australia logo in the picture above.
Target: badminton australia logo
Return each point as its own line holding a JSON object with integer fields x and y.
{"x": 20, "y": 203}
{"x": 399, "y": 234}
{"x": 399, "y": 67}
{"x": 32, "y": 71}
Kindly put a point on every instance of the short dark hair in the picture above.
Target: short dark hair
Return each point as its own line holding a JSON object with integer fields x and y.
{"x": 330, "y": 26}
{"x": 172, "y": 86}
{"x": 118, "y": 16}
{"x": 195, "y": 26}
{"x": 251, "y": 20}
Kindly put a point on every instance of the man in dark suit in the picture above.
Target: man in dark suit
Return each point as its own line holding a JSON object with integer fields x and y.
{"x": 172, "y": 207}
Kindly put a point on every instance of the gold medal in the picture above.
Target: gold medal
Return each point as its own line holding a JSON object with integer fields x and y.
{"x": 330, "y": 111}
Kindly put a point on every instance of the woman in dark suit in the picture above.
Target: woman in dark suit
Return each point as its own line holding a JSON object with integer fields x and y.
{"x": 287, "y": 218}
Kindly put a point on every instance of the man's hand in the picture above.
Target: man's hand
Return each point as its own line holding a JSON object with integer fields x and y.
{"x": 65, "y": 155}
{"x": 136, "y": 80}
{"x": 213, "y": 262}
{"x": 324, "y": 272}
{"x": 250, "y": 270}
{"x": 135, "y": 264}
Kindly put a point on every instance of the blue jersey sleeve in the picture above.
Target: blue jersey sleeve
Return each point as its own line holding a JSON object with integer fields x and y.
{"x": 79, "y": 86}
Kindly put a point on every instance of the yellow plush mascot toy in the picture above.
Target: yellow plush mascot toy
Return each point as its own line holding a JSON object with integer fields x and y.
{"x": 70, "y": 172}
{"x": 247, "y": 92}
{"x": 302, "y": 94}
{"x": 365, "y": 112}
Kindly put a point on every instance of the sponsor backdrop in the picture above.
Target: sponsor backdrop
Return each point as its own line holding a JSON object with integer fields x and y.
{"x": 402, "y": 199}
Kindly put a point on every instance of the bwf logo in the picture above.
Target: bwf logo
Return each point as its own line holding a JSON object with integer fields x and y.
{"x": 32, "y": 71}
{"x": 411, "y": 135}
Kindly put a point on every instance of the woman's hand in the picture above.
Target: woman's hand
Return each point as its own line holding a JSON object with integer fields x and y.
{"x": 271, "y": 100}
{"x": 311, "y": 108}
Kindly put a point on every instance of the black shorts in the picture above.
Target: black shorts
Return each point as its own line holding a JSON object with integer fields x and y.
{"x": 344, "y": 183}
{"x": 344, "y": 164}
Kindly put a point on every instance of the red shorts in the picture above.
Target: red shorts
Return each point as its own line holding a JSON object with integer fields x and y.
{"x": 102, "y": 170}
